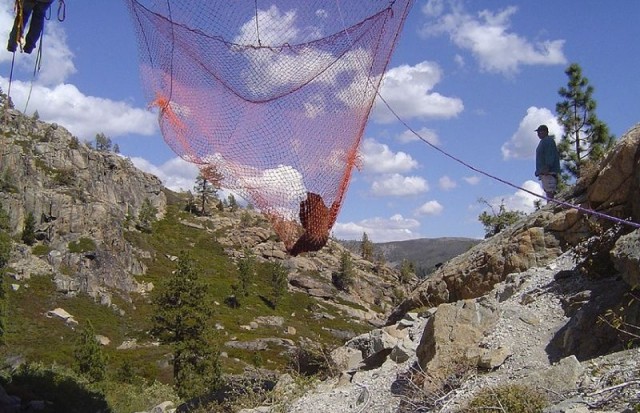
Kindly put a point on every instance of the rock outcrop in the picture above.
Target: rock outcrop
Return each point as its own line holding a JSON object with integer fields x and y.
{"x": 613, "y": 189}
{"x": 526, "y": 331}
{"x": 78, "y": 196}
{"x": 84, "y": 201}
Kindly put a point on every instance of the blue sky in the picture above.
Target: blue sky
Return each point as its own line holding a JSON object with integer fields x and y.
{"x": 473, "y": 78}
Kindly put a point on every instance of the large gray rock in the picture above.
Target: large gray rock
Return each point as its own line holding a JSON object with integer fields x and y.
{"x": 346, "y": 358}
{"x": 373, "y": 342}
{"x": 454, "y": 332}
{"x": 561, "y": 378}
{"x": 626, "y": 257}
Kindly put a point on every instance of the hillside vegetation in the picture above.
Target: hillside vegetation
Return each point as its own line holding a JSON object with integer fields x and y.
{"x": 103, "y": 239}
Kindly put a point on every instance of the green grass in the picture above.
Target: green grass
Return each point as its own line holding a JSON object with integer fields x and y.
{"x": 29, "y": 331}
{"x": 511, "y": 398}
{"x": 41, "y": 250}
{"x": 39, "y": 338}
{"x": 82, "y": 245}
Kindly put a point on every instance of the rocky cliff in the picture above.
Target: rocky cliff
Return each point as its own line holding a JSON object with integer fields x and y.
{"x": 82, "y": 196}
{"x": 543, "y": 317}
{"x": 612, "y": 187}
{"x": 76, "y": 194}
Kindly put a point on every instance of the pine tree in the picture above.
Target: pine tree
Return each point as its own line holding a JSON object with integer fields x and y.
{"x": 126, "y": 373}
{"x": 190, "y": 205}
{"x": 103, "y": 143}
{"x": 5, "y": 238}
{"x": 343, "y": 278}
{"x": 245, "y": 219}
{"x": 5, "y": 248}
{"x": 246, "y": 271}
{"x": 90, "y": 360}
{"x": 366, "y": 247}
{"x": 146, "y": 216}
{"x": 407, "y": 269}
{"x": 497, "y": 221}
{"x": 233, "y": 204}
{"x": 207, "y": 185}
{"x": 205, "y": 191}
{"x": 29, "y": 230}
{"x": 279, "y": 282}
{"x": 585, "y": 136}
{"x": 182, "y": 320}
{"x": 3, "y": 307}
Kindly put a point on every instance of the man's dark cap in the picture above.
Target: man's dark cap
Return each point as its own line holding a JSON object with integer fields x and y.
{"x": 542, "y": 127}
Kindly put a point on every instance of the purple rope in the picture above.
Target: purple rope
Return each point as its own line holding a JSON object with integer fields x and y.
{"x": 565, "y": 204}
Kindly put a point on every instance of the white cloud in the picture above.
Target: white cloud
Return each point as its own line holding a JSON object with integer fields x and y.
{"x": 433, "y": 8}
{"x": 56, "y": 101}
{"x": 408, "y": 90}
{"x": 523, "y": 142}
{"x": 263, "y": 76}
{"x": 377, "y": 158}
{"x": 84, "y": 116}
{"x": 276, "y": 28}
{"x": 282, "y": 184}
{"x": 459, "y": 59}
{"x": 322, "y": 13}
{"x": 472, "y": 180}
{"x": 398, "y": 185}
{"x": 488, "y": 38}
{"x": 430, "y": 208}
{"x": 447, "y": 183}
{"x": 176, "y": 174}
{"x": 520, "y": 200}
{"x": 395, "y": 228}
{"x": 426, "y": 134}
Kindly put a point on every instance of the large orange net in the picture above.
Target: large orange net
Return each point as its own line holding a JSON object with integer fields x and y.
{"x": 275, "y": 95}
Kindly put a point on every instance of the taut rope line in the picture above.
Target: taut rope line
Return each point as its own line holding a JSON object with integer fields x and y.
{"x": 480, "y": 171}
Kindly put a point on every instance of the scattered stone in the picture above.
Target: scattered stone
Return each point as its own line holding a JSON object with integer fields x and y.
{"x": 164, "y": 407}
{"x": 346, "y": 358}
{"x": 400, "y": 353}
{"x": 63, "y": 315}
{"x": 493, "y": 358}
{"x": 128, "y": 344}
{"x": 274, "y": 321}
{"x": 103, "y": 340}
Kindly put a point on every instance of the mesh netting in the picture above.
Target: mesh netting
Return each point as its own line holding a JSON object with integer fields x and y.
{"x": 274, "y": 95}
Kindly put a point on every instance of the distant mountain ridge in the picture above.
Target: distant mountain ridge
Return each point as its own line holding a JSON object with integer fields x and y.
{"x": 425, "y": 253}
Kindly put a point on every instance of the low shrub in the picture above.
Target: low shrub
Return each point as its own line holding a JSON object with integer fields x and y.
{"x": 82, "y": 245}
{"x": 511, "y": 398}
{"x": 41, "y": 250}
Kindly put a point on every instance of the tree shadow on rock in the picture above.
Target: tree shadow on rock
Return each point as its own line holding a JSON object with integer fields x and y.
{"x": 585, "y": 335}
{"x": 268, "y": 302}
{"x": 58, "y": 392}
{"x": 233, "y": 389}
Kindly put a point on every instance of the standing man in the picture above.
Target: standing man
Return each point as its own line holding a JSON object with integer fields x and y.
{"x": 547, "y": 161}
{"x": 35, "y": 9}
